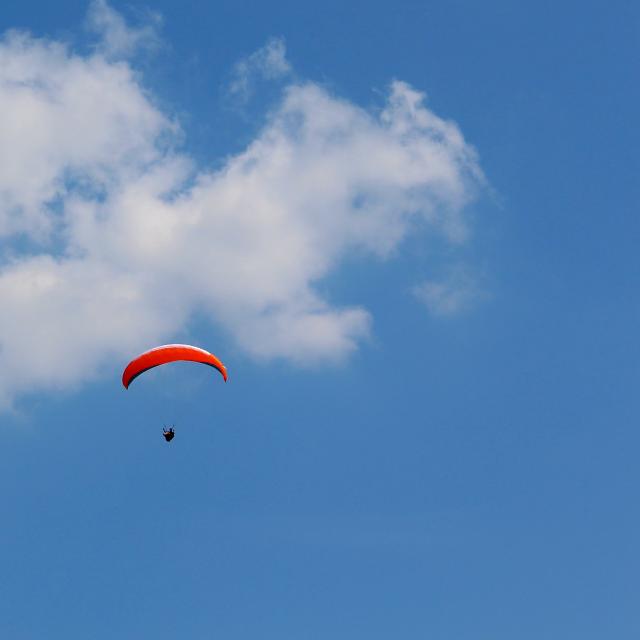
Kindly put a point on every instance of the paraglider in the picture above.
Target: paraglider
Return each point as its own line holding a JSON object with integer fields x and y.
{"x": 163, "y": 355}
{"x": 169, "y": 353}
{"x": 168, "y": 433}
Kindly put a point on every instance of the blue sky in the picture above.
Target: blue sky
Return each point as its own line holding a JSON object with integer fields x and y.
{"x": 409, "y": 231}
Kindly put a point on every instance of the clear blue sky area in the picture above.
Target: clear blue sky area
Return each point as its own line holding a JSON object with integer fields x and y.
{"x": 466, "y": 475}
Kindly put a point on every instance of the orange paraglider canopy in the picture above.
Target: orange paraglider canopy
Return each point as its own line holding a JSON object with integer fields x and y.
{"x": 169, "y": 353}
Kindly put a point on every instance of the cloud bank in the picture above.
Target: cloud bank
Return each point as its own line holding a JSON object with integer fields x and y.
{"x": 112, "y": 238}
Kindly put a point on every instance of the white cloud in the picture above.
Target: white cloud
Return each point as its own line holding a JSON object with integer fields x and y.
{"x": 67, "y": 120}
{"x": 117, "y": 38}
{"x": 61, "y": 320}
{"x": 267, "y": 63}
{"x": 132, "y": 238}
{"x": 452, "y": 294}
